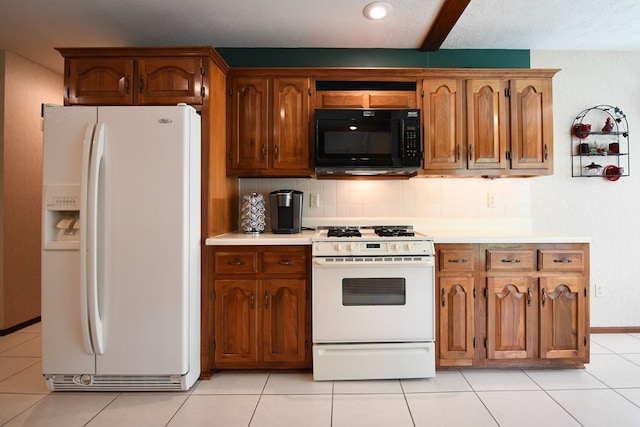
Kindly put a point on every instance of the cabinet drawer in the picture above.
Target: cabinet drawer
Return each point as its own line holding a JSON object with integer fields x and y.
{"x": 284, "y": 262}
{"x": 506, "y": 260}
{"x": 455, "y": 260}
{"x": 236, "y": 262}
{"x": 560, "y": 260}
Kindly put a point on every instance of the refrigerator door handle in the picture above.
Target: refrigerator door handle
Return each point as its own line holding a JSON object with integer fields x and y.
{"x": 92, "y": 254}
{"x": 84, "y": 306}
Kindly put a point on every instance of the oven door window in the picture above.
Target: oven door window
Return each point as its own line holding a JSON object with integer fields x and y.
{"x": 373, "y": 291}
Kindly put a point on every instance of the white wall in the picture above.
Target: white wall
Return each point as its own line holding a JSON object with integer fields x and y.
{"x": 607, "y": 211}
{"x": 594, "y": 207}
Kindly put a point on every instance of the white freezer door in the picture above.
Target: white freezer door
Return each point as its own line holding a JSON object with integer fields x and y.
{"x": 143, "y": 241}
{"x": 63, "y": 349}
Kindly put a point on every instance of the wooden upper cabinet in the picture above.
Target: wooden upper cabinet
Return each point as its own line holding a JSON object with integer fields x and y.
{"x": 486, "y": 124}
{"x": 291, "y": 104}
{"x": 169, "y": 80}
{"x": 442, "y": 116}
{"x": 99, "y": 81}
{"x": 269, "y": 126}
{"x": 135, "y": 81}
{"x": 249, "y": 132}
{"x": 531, "y": 124}
{"x": 388, "y": 99}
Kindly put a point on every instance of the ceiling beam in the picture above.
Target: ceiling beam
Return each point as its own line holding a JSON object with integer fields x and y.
{"x": 447, "y": 17}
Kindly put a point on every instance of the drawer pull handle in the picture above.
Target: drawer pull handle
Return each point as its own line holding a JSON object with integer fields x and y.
{"x": 235, "y": 263}
{"x": 563, "y": 261}
{"x": 544, "y": 297}
{"x": 286, "y": 262}
{"x": 459, "y": 261}
{"x": 444, "y": 297}
{"x": 511, "y": 261}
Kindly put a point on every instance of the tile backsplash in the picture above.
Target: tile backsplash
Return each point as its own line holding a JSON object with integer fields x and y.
{"x": 413, "y": 198}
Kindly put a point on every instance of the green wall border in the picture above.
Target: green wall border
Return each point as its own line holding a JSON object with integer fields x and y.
{"x": 401, "y": 58}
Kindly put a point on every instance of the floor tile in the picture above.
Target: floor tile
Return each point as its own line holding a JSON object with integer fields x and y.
{"x": 233, "y": 383}
{"x": 63, "y": 410}
{"x": 614, "y": 370}
{"x": 443, "y": 381}
{"x": 29, "y": 348}
{"x": 365, "y": 387}
{"x": 296, "y": 383}
{"x": 215, "y": 410}
{"x": 564, "y": 379}
{"x": 12, "y": 365}
{"x": 597, "y": 408}
{"x": 632, "y": 357}
{"x": 596, "y": 348}
{"x": 449, "y": 409}
{"x": 293, "y": 411}
{"x": 29, "y": 380}
{"x": 9, "y": 341}
{"x": 497, "y": 379}
{"x": 12, "y": 405}
{"x": 618, "y": 343}
{"x": 141, "y": 410}
{"x": 525, "y": 408}
{"x": 633, "y": 394}
{"x": 370, "y": 410}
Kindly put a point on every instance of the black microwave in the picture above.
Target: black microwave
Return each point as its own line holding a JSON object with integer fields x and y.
{"x": 367, "y": 142}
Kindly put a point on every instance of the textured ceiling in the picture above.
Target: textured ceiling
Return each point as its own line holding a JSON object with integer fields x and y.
{"x": 32, "y": 28}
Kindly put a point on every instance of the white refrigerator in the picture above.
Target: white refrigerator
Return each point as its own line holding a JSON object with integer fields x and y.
{"x": 121, "y": 248}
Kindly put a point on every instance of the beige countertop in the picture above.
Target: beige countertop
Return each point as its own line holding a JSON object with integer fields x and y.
{"x": 439, "y": 235}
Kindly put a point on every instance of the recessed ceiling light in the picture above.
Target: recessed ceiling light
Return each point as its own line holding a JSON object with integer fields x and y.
{"x": 377, "y": 10}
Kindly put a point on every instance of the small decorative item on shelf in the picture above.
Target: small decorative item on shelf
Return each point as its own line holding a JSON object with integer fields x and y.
{"x": 253, "y": 213}
{"x": 608, "y": 126}
{"x": 581, "y": 130}
{"x": 598, "y": 149}
{"x": 614, "y": 147}
{"x": 593, "y": 169}
{"x": 583, "y": 148}
{"x": 612, "y": 172}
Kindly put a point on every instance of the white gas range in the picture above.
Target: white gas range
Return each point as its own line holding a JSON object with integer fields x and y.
{"x": 373, "y": 303}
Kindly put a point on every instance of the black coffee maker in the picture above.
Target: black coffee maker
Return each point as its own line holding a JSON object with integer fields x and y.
{"x": 286, "y": 211}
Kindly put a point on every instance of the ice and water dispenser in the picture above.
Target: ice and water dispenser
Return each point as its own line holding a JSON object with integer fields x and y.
{"x": 61, "y": 221}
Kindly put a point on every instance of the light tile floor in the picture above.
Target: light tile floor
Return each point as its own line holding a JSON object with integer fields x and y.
{"x": 606, "y": 393}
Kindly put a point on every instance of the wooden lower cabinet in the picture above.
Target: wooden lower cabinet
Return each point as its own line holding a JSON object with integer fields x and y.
{"x": 262, "y": 309}
{"x": 512, "y": 305}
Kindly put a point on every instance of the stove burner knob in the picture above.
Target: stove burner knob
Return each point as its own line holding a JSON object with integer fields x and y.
{"x": 338, "y": 247}
{"x": 352, "y": 247}
{"x": 409, "y": 246}
{"x": 395, "y": 246}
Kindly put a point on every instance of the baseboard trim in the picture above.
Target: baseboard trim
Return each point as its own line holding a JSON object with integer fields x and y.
{"x": 615, "y": 330}
{"x": 17, "y": 327}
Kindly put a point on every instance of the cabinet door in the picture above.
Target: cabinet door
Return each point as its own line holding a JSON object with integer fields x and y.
{"x": 291, "y": 103}
{"x": 456, "y": 317}
{"x": 283, "y": 320}
{"x": 249, "y": 127}
{"x": 563, "y": 302}
{"x": 442, "y": 118}
{"x": 235, "y": 321}
{"x": 486, "y": 124}
{"x": 531, "y": 124}
{"x": 511, "y": 317}
{"x": 100, "y": 81}
{"x": 166, "y": 81}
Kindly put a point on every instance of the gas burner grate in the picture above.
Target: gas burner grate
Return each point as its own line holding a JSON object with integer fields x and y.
{"x": 393, "y": 232}
{"x": 343, "y": 232}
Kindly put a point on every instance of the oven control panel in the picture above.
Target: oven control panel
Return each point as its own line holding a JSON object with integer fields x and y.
{"x": 361, "y": 248}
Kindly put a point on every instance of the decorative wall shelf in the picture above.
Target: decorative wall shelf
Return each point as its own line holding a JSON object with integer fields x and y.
{"x": 600, "y": 143}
